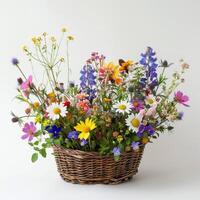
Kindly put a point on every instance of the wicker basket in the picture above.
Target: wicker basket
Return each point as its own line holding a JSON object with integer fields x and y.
{"x": 89, "y": 167}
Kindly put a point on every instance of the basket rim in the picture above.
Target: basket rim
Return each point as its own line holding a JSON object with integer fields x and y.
{"x": 91, "y": 153}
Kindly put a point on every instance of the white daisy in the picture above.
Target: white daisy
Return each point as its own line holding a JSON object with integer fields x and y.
{"x": 122, "y": 107}
{"x": 151, "y": 100}
{"x": 133, "y": 121}
{"x": 56, "y": 110}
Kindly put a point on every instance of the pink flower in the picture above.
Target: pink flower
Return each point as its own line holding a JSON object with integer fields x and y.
{"x": 83, "y": 105}
{"x": 151, "y": 111}
{"x": 181, "y": 98}
{"x": 137, "y": 105}
{"x": 29, "y": 130}
{"x": 26, "y": 84}
{"x": 81, "y": 96}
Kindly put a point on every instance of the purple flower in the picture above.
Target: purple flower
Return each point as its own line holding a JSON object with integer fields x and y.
{"x": 137, "y": 105}
{"x": 54, "y": 130}
{"x": 29, "y": 129}
{"x": 145, "y": 129}
{"x": 88, "y": 81}
{"x": 140, "y": 130}
{"x": 83, "y": 142}
{"x": 180, "y": 115}
{"x": 15, "y": 61}
{"x": 148, "y": 60}
{"x": 181, "y": 98}
{"x": 135, "y": 145}
{"x": 116, "y": 151}
{"x": 150, "y": 130}
{"x": 73, "y": 135}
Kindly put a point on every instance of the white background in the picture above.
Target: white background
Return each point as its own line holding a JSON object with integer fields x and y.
{"x": 170, "y": 168}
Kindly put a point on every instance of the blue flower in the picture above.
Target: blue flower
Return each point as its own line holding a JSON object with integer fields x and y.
{"x": 83, "y": 142}
{"x": 54, "y": 130}
{"x": 15, "y": 61}
{"x": 148, "y": 60}
{"x": 148, "y": 129}
{"x": 116, "y": 151}
{"x": 88, "y": 81}
{"x": 135, "y": 145}
{"x": 140, "y": 130}
{"x": 73, "y": 135}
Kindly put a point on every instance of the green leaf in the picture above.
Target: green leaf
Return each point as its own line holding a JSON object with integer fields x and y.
{"x": 30, "y": 143}
{"x": 57, "y": 142}
{"x": 135, "y": 138}
{"x": 36, "y": 143}
{"x": 34, "y": 157}
{"x": 116, "y": 158}
{"x": 43, "y": 153}
{"x": 36, "y": 149}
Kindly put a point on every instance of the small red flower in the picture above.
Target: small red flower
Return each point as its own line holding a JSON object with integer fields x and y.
{"x": 66, "y": 103}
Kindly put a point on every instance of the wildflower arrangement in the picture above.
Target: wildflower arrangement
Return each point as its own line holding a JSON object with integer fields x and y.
{"x": 115, "y": 108}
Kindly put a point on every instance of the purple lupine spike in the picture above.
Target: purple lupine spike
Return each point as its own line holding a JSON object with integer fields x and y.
{"x": 88, "y": 81}
{"x": 148, "y": 60}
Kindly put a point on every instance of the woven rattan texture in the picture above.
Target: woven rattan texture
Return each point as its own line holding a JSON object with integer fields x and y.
{"x": 90, "y": 168}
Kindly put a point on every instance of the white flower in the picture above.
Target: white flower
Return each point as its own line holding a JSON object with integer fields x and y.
{"x": 133, "y": 121}
{"x": 151, "y": 100}
{"x": 56, "y": 110}
{"x": 122, "y": 107}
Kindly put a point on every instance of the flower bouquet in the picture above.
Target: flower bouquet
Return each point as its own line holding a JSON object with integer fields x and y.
{"x": 98, "y": 128}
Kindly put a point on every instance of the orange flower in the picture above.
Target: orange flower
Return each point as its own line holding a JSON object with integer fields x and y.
{"x": 110, "y": 72}
{"x": 124, "y": 65}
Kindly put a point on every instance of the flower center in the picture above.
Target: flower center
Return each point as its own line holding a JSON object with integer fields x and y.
{"x": 56, "y": 111}
{"x": 135, "y": 122}
{"x": 122, "y": 107}
{"x": 135, "y": 104}
{"x": 150, "y": 101}
{"x": 86, "y": 129}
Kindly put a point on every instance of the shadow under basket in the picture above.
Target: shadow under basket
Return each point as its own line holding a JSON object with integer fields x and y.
{"x": 91, "y": 168}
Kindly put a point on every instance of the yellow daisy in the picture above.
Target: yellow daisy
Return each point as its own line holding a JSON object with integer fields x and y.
{"x": 85, "y": 128}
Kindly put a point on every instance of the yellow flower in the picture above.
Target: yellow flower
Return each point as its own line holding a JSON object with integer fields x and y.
{"x": 36, "y": 105}
{"x": 119, "y": 138}
{"x": 115, "y": 73}
{"x": 38, "y": 119}
{"x": 46, "y": 122}
{"x": 62, "y": 59}
{"x": 85, "y": 128}
{"x": 25, "y": 49}
{"x": 63, "y": 29}
{"x": 53, "y": 39}
{"x": 70, "y": 37}
{"x": 36, "y": 41}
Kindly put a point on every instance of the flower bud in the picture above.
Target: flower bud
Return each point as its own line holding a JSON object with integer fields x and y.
{"x": 27, "y": 111}
{"x": 131, "y": 88}
{"x": 164, "y": 63}
{"x": 15, "y": 119}
{"x": 71, "y": 84}
{"x": 20, "y": 81}
{"x": 115, "y": 134}
{"x": 15, "y": 61}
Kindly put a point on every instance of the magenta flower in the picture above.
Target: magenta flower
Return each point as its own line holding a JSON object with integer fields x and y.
{"x": 26, "y": 84}
{"x": 181, "y": 98}
{"x": 137, "y": 105}
{"x": 29, "y": 130}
